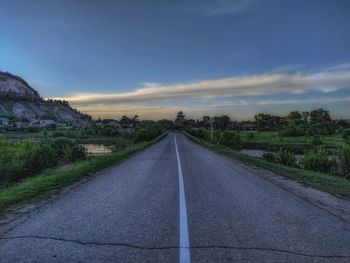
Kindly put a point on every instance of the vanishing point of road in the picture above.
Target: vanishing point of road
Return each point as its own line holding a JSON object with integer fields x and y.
{"x": 177, "y": 202}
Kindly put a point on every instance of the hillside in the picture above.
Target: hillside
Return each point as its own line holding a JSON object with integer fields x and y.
{"x": 19, "y": 100}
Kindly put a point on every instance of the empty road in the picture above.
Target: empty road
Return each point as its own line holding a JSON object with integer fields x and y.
{"x": 177, "y": 202}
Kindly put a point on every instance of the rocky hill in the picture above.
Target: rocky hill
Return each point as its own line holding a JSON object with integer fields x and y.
{"x": 19, "y": 100}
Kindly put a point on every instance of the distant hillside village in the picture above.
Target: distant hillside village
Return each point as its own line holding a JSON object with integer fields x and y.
{"x": 22, "y": 107}
{"x": 125, "y": 124}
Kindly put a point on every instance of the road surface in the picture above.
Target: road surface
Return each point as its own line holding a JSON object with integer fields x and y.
{"x": 177, "y": 202}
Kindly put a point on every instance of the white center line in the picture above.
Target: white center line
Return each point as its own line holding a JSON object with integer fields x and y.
{"x": 185, "y": 256}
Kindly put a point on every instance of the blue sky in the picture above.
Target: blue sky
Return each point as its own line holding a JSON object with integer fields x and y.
{"x": 153, "y": 58}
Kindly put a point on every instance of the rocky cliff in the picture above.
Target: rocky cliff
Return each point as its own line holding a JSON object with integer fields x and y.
{"x": 19, "y": 100}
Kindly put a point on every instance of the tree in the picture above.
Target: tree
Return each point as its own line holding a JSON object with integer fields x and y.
{"x": 320, "y": 116}
{"x": 306, "y": 116}
{"x": 294, "y": 117}
{"x": 135, "y": 120}
{"x": 180, "y": 116}
{"x": 180, "y": 120}
{"x": 166, "y": 124}
{"x": 125, "y": 121}
{"x": 222, "y": 123}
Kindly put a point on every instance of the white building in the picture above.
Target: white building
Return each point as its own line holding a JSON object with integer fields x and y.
{"x": 4, "y": 121}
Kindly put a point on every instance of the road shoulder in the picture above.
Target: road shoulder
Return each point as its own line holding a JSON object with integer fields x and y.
{"x": 334, "y": 204}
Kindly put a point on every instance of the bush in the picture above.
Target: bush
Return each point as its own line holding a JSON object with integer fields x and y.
{"x": 108, "y": 132}
{"x": 346, "y": 134}
{"x": 320, "y": 161}
{"x": 120, "y": 143}
{"x": 250, "y": 135}
{"x": 146, "y": 134}
{"x": 314, "y": 141}
{"x": 270, "y": 157}
{"x": 344, "y": 160}
{"x": 285, "y": 157}
{"x": 292, "y": 131}
{"x": 57, "y": 134}
{"x": 231, "y": 139}
{"x": 27, "y": 158}
{"x": 201, "y": 133}
{"x": 33, "y": 129}
{"x": 73, "y": 153}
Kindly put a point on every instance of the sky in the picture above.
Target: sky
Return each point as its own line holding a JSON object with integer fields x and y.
{"x": 205, "y": 57}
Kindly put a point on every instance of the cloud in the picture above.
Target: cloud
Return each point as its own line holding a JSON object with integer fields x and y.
{"x": 145, "y": 111}
{"x": 324, "y": 81}
{"x": 242, "y": 96}
{"x": 258, "y": 102}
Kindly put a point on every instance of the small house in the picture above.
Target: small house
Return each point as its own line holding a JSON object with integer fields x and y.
{"x": 47, "y": 122}
{"x": 4, "y": 121}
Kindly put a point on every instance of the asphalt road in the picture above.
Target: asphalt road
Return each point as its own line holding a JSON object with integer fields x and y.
{"x": 132, "y": 213}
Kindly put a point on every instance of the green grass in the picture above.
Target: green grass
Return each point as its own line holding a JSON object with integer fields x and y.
{"x": 271, "y": 137}
{"x": 46, "y": 184}
{"x": 328, "y": 183}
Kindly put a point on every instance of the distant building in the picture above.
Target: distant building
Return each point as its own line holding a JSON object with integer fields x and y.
{"x": 98, "y": 123}
{"x": 111, "y": 123}
{"x": 128, "y": 125}
{"x": 4, "y": 121}
{"x": 20, "y": 125}
{"x": 47, "y": 122}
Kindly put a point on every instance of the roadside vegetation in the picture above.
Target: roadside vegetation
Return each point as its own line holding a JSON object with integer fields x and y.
{"x": 32, "y": 167}
{"x": 326, "y": 182}
{"x": 48, "y": 182}
{"x": 308, "y": 146}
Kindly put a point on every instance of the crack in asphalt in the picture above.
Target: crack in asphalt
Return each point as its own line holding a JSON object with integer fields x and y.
{"x": 119, "y": 244}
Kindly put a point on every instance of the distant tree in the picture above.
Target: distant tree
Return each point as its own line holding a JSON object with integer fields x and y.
{"x": 222, "y": 123}
{"x": 294, "y": 117}
{"x": 180, "y": 120}
{"x": 320, "y": 116}
{"x": 306, "y": 116}
{"x": 135, "y": 120}
{"x": 166, "y": 124}
{"x": 125, "y": 121}
{"x": 180, "y": 116}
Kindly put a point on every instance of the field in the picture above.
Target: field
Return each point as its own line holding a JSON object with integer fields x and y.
{"x": 272, "y": 137}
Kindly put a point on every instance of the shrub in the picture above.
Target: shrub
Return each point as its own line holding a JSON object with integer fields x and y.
{"x": 73, "y": 153}
{"x": 27, "y": 158}
{"x": 314, "y": 141}
{"x": 292, "y": 131}
{"x": 250, "y": 135}
{"x": 108, "y": 132}
{"x": 346, "y": 134}
{"x": 285, "y": 157}
{"x": 231, "y": 139}
{"x": 119, "y": 143}
{"x": 344, "y": 160}
{"x": 270, "y": 157}
{"x": 33, "y": 129}
{"x": 146, "y": 134}
{"x": 319, "y": 160}
{"x": 57, "y": 134}
{"x": 201, "y": 133}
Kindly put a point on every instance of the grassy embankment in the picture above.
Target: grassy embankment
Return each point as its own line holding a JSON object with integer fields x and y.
{"x": 40, "y": 136}
{"x": 44, "y": 185}
{"x": 272, "y": 137}
{"x": 328, "y": 183}
{"x": 270, "y": 141}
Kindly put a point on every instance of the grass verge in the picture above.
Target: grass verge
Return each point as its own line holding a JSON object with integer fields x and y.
{"x": 328, "y": 183}
{"x": 43, "y": 185}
